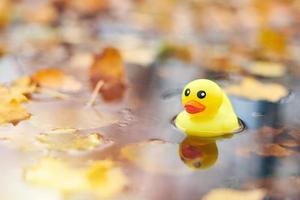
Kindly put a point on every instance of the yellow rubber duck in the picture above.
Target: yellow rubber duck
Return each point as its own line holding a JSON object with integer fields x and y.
{"x": 208, "y": 111}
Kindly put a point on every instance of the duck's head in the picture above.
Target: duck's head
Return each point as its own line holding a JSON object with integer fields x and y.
{"x": 202, "y": 97}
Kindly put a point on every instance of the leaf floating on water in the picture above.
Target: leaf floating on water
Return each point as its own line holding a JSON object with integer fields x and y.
{"x": 288, "y": 143}
{"x": 102, "y": 178}
{"x": 71, "y": 140}
{"x": 12, "y": 112}
{"x": 253, "y": 89}
{"x": 267, "y": 134}
{"x": 11, "y": 109}
{"x": 5, "y": 12}
{"x": 105, "y": 178}
{"x": 278, "y": 187}
{"x": 57, "y": 174}
{"x": 295, "y": 134}
{"x": 269, "y": 141}
{"x": 68, "y": 114}
{"x": 181, "y": 52}
{"x": 56, "y": 79}
{"x": 232, "y": 194}
{"x": 273, "y": 150}
{"x": 267, "y": 69}
{"x": 156, "y": 157}
{"x": 109, "y": 68}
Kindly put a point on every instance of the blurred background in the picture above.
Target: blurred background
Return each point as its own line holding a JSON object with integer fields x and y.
{"x": 250, "y": 47}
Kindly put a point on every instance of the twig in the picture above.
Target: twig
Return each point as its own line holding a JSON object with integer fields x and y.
{"x": 95, "y": 93}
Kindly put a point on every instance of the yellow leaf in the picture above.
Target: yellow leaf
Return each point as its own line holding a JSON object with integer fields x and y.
{"x": 267, "y": 69}
{"x": 12, "y": 112}
{"x": 102, "y": 178}
{"x": 255, "y": 90}
{"x": 231, "y": 194}
{"x": 105, "y": 179}
{"x": 70, "y": 140}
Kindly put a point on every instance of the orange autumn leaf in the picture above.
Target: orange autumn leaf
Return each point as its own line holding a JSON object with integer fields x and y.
{"x": 56, "y": 79}
{"x": 109, "y": 68}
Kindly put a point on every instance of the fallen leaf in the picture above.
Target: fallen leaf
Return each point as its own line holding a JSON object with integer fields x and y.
{"x": 273, "y": 150}
{"x": 89, "y": 7}
{"x": 267, "y": 69}
{"x": 181, "y": 52}
{"x": 295, "y": 134}
{"x": 267, "y": 134}
{"x": 12, "y": 112}
{"x": 103, "y": 178}
{"x": 109, "y": 68}
{"x": 232, "y": 194}
{"x": 273, "y": 43}
{"x": 278, "y": 187}
{"x": 56, "y": 79}
{"x": 23, "y": 86}
{"x": 253, "y": 89}
{"x": 288, "y": 143}
{"x": 44, "y": 13}
{"x": 71, "y": 140}
{"x": 5, "y": 12}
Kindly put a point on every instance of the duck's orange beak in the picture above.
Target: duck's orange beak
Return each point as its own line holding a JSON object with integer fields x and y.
{"x": 194, "y": 107}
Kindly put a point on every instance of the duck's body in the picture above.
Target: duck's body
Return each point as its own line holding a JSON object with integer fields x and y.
{"x": 211, "y": 115}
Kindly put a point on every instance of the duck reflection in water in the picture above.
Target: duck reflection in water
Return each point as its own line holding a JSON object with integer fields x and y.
{"x": 199, "y": 153}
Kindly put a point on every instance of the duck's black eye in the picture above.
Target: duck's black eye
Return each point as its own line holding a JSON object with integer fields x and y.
{"x": 201, "y": 94}
{"x": 187, "y": 92}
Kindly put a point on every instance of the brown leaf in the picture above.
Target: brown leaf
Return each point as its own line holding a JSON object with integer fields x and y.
{"x": 109, "y": 68}
{"x": 288, "y": 143}
{"x": 278, "y": 187}
{"x": 272, "y": 150}
{"x": 267, "y": 134}
{"x": 295, "y": 134}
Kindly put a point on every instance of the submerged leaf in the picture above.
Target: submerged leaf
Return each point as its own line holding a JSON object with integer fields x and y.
{"x": 255, "y": 90}
{"x": 109, "y": 68}
{"x": 227, "y": 193}
{"x": 105, "y": 178}
{"x": 71, "y": 140}
{"x": 102, "y": 178}
{"x": 280, "y": 187}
